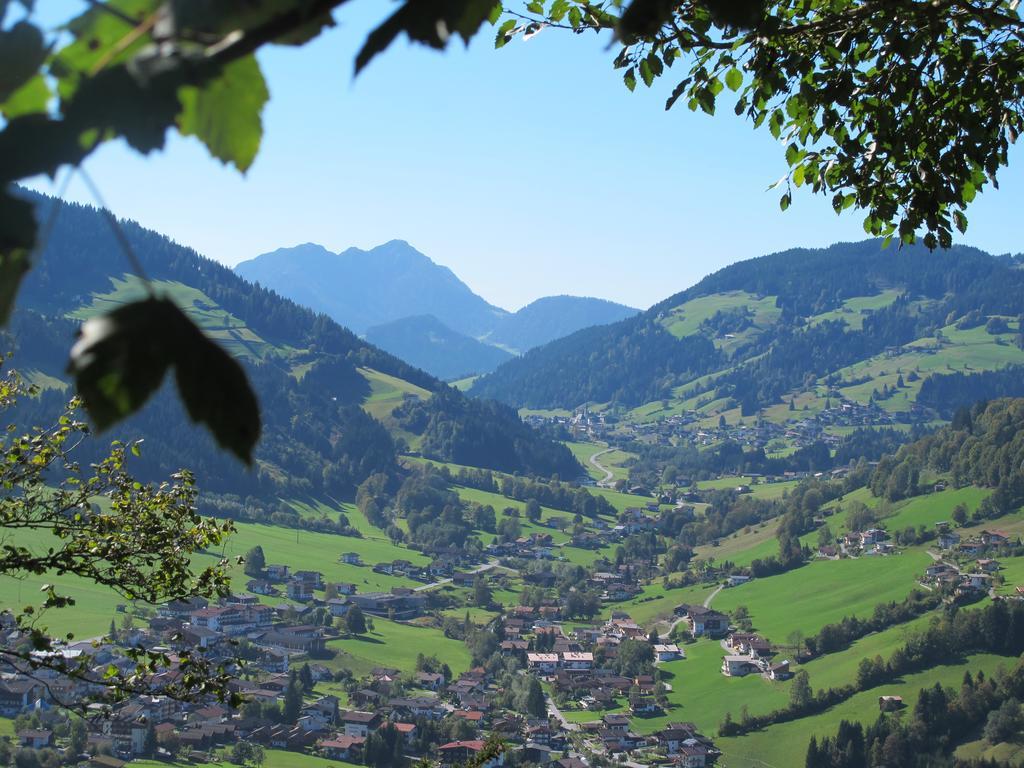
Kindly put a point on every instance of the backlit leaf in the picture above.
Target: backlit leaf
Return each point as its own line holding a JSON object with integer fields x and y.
{"x": 225, "y": 113}
{"x": 121, "y": 358}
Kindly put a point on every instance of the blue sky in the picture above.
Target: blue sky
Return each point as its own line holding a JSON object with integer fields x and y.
{"x": 528, "y": 171}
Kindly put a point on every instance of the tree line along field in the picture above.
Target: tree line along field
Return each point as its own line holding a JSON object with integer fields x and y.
{"x": 785, "y": 744}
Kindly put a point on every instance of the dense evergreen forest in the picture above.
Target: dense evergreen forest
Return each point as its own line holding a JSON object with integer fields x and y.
{"x": 317, "y": 439}
{"x": 948, "y": 393}
{"x": 631, "y": 362}
{"x": 482, "y": 433}
{"x": 637, "y": 360}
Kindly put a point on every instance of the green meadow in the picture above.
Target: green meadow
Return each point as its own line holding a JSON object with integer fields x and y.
{"x": 785, "y": 744}
{"x": 387, "y": 393}
{"x": 217, "y": 323}
{"x": 396, "y": 644}
{"x": 934, "y": 508}
{"x": 656, "y": 604}
{"x": 95, "y": 606}
{"x": 824, "y": 591}
{"x": 320, "y": 552}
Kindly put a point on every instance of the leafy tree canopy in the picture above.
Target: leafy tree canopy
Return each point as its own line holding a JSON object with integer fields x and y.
{"x": 104, "y": 527}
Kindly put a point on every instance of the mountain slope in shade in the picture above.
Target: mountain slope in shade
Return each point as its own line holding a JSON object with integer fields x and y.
{"x": 360, "y": 289}
{"x": 427, "y": 343}
{"x": 327, "y": 397}
{"x": 553, "y": 317}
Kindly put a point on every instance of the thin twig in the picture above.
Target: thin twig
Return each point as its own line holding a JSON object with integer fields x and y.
{"x": 126, "y": 42}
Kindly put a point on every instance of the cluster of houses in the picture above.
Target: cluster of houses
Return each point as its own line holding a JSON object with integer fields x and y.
{"x": 579, "y": 667}
{"x": 681, "y": 743}
{"x": 874, "y": 541}
{"x": 972, "y": 547}
{"x": 947, "y": 576}
{"x": 752, "y": 654}
{"x": 961, "y": 571}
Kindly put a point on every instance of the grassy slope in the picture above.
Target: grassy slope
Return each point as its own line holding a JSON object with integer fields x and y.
{"x": 583, "y": 452}
{"x": 95, "y": 606}
{"x": 387, "y": 393}
{"x": 656, "y": 604}
{"x": 395, "y": 644}
{"x": 935, "y": 507}
{"x": 785, "y": 745}
{"x": 823, "y": 592}
{"x": 218, "y": 323}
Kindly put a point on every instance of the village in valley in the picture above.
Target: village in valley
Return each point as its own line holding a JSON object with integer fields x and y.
{"x": 571, "y": 667}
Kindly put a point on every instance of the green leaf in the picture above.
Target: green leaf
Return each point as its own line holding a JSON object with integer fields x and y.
{"x": 225, "y": 113}
{"x": 31, "y": 98}
{"x": 121, "y": 358}
{"x": 17, "y": 238}
{"x": 785, "y": 200}
{"x": 678, "y": 91}
{"x": 504, "y": 34}
{"x": 225, "y": 16}
{"x": 960, "y": 221}
{"x": 734, "y": 79}
{"x": 100, "y": 36}
{"x": 629, "y": 78}
{"x": 645, "y": 73}
{"x": 22, "y": 52}
{"x": 558, "y": 10}
{"x": 430, "y": 23}
{"x": 217, "y": 393}
{"x": 115, "y": 101}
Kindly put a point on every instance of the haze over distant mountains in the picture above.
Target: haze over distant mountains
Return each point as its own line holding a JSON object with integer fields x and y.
{"x": 401, "y": 300}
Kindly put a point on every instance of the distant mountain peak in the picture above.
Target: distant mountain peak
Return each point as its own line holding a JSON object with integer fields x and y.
{"x": 364, "y": 288}
{"x": 394, "y": 281}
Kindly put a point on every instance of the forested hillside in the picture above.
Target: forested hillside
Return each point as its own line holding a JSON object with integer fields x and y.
{"x": 778, "y": 324}
{"x": 984, "y": 446}
{"x": 318, "y": 383}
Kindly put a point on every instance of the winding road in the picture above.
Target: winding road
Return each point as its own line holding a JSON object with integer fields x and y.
{"x": 609, "y": 477}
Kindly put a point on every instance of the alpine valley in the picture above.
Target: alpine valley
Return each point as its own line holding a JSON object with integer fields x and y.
{"x": 775, "y": 520}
